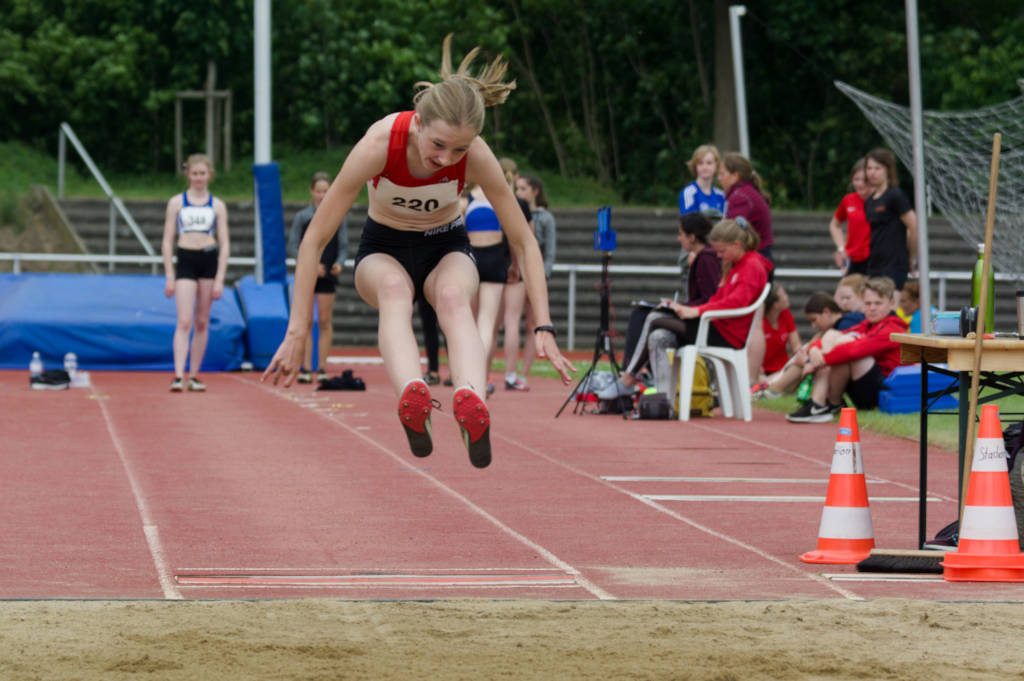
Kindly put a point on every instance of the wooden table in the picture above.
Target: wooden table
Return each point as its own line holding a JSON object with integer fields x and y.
{"x": 1002, "y": 369}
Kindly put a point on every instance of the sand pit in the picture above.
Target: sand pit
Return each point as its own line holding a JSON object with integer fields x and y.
{"x": 474, "y": 639}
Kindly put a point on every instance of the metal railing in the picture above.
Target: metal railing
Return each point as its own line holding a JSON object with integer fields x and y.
{"x": 573, "y": 270}
{"x": 116, "y": 205}
{"x": 782, "y": 273}
{"x": 154, "y": 260}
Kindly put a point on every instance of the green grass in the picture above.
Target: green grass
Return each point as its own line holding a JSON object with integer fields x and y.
{"x": 942, "y": 429}
{"x": 22, "y": 166}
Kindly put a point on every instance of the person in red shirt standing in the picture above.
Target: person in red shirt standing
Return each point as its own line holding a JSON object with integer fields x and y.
{"x": 851, "y": 255}
{"x": 856, "y": 362}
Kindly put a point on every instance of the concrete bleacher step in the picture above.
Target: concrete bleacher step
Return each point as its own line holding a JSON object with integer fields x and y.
{"x": 646, "y": 236}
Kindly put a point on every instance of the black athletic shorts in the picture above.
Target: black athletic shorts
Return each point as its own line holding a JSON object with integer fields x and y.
{"x": 858, "y": 267}
{"x": 417, "y": 252}
{"x": 492, "y": 263}
{"x": 196, "y": 264}
{"x": 864, "y": 391}
{"x": 326, "y": 284}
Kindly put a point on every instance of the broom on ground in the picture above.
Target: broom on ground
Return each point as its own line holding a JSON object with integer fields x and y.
{"x": 895, "y": 560}
{"x": 902, "y": 560}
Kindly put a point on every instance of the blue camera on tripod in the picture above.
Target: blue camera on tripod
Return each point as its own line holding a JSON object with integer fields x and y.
{"x": 604, "y": 237}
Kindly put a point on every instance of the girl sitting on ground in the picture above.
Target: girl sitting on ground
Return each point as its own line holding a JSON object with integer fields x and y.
{"x": 824, "y": 314}
{"x": 781, "y": 337}
{"x": 850, "y": 297}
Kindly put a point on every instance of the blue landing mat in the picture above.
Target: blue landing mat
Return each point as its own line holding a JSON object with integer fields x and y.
{"x": 111, "y": 321}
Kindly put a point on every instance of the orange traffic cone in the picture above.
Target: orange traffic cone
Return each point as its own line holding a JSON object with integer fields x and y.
{"x": 846, "y": 534}
{"x": 988, "y": 550}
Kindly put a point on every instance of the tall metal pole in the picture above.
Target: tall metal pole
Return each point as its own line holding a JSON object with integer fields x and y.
{"x": 917, "y": 144}
{"x": 735, "y": 12}
{"x": 261, "y": 110}
{"x": 261, "y": 81}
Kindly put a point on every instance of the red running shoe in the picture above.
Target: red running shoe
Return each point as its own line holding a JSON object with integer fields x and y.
{"x": 414, "y": 411}
{"x": 475, "y": 422}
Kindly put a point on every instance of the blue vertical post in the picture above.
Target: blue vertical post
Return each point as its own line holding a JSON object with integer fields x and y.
{"x": 270, "y": 251}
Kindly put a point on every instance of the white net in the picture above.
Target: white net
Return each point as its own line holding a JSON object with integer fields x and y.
{"x": 957, "y": 166}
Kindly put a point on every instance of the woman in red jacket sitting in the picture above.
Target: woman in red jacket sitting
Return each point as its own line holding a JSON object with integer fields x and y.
{"x": 744, "y": 275}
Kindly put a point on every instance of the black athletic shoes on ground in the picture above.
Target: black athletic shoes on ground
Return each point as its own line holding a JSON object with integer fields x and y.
{"x": 52, "y": 379}
{"x": 812, "y": 412}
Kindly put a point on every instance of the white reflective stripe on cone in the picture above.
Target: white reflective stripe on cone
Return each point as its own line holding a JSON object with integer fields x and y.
{"x": 846, "y": 460}
{"x": 989, "y": 455}
{"x": 989, "y": 522}
{"x": 840, "y": 522}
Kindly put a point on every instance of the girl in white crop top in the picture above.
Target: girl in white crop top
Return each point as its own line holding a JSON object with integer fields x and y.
{"x": 415, "y": 177}
{"x": 196, "y": 231}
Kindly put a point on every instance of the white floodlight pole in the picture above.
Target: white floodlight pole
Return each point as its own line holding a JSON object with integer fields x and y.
{"x": 735, "y": 12}
{"x": 261, "y": 110}
{"x": 917, "y": 144}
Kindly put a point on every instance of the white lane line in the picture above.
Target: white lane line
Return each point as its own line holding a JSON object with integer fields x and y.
{"x": 149, "y": 528}
{"x": 401, "y": 579}
{"x": 382, "y": 587}
{"x": 331, "y": 569}
{"x": 649, "y": 478}
{"x": 360, "y": 359}
{"x": 597, "y": 591}
{"x": 692, "y": 523}
{"x": 757, "y": 498}
{"x": 804, "y": 457}
{"x": 880, "y": 577}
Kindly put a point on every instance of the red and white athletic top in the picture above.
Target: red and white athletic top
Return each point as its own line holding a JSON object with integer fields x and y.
{"x": 401, "y": 201}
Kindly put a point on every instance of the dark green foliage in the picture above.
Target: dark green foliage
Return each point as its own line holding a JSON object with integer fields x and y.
{"x": 607, "y": 90}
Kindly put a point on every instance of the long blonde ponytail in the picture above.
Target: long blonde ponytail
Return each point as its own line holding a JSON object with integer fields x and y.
{"x": 460, "y": 97}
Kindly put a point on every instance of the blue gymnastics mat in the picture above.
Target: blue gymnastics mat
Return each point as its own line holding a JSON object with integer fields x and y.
{"x": 265, "y": 307}
{"x": 111, "y": 321}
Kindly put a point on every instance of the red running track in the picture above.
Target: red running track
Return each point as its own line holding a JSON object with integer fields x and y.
{"x": 124, "y": 490}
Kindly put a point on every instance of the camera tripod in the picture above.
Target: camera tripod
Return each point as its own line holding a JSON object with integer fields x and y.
{"x": 602, "y": 345}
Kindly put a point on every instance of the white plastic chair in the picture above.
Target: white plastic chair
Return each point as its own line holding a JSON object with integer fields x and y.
{"x": 731, "y": 368}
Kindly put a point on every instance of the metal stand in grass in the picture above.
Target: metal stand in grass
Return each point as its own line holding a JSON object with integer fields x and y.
{"x": 604, "y": 240}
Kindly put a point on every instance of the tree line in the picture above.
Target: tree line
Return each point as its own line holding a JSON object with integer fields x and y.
{"x": 620, "y": 92}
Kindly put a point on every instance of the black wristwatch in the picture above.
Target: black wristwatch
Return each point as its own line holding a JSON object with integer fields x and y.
{"x": 547, "y": 327}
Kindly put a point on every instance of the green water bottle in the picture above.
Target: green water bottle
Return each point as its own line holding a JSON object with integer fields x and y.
{"x": 803, "y": 393}
{"x": 976, "y": 289}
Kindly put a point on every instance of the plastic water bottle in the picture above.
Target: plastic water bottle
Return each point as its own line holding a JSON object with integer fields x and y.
{"x": 35, "y": 366}
{"x": 803, "y": 392}
{"x": 71, "y": 364}
{"x": 976, "y": 289}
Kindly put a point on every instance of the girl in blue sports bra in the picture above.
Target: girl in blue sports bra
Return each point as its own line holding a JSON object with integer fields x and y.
{"x": 490, "y": 250}
{"x": 196, "y": 231}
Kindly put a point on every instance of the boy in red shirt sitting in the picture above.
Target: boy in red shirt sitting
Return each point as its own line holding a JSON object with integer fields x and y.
{"x": 856, "y": 362}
